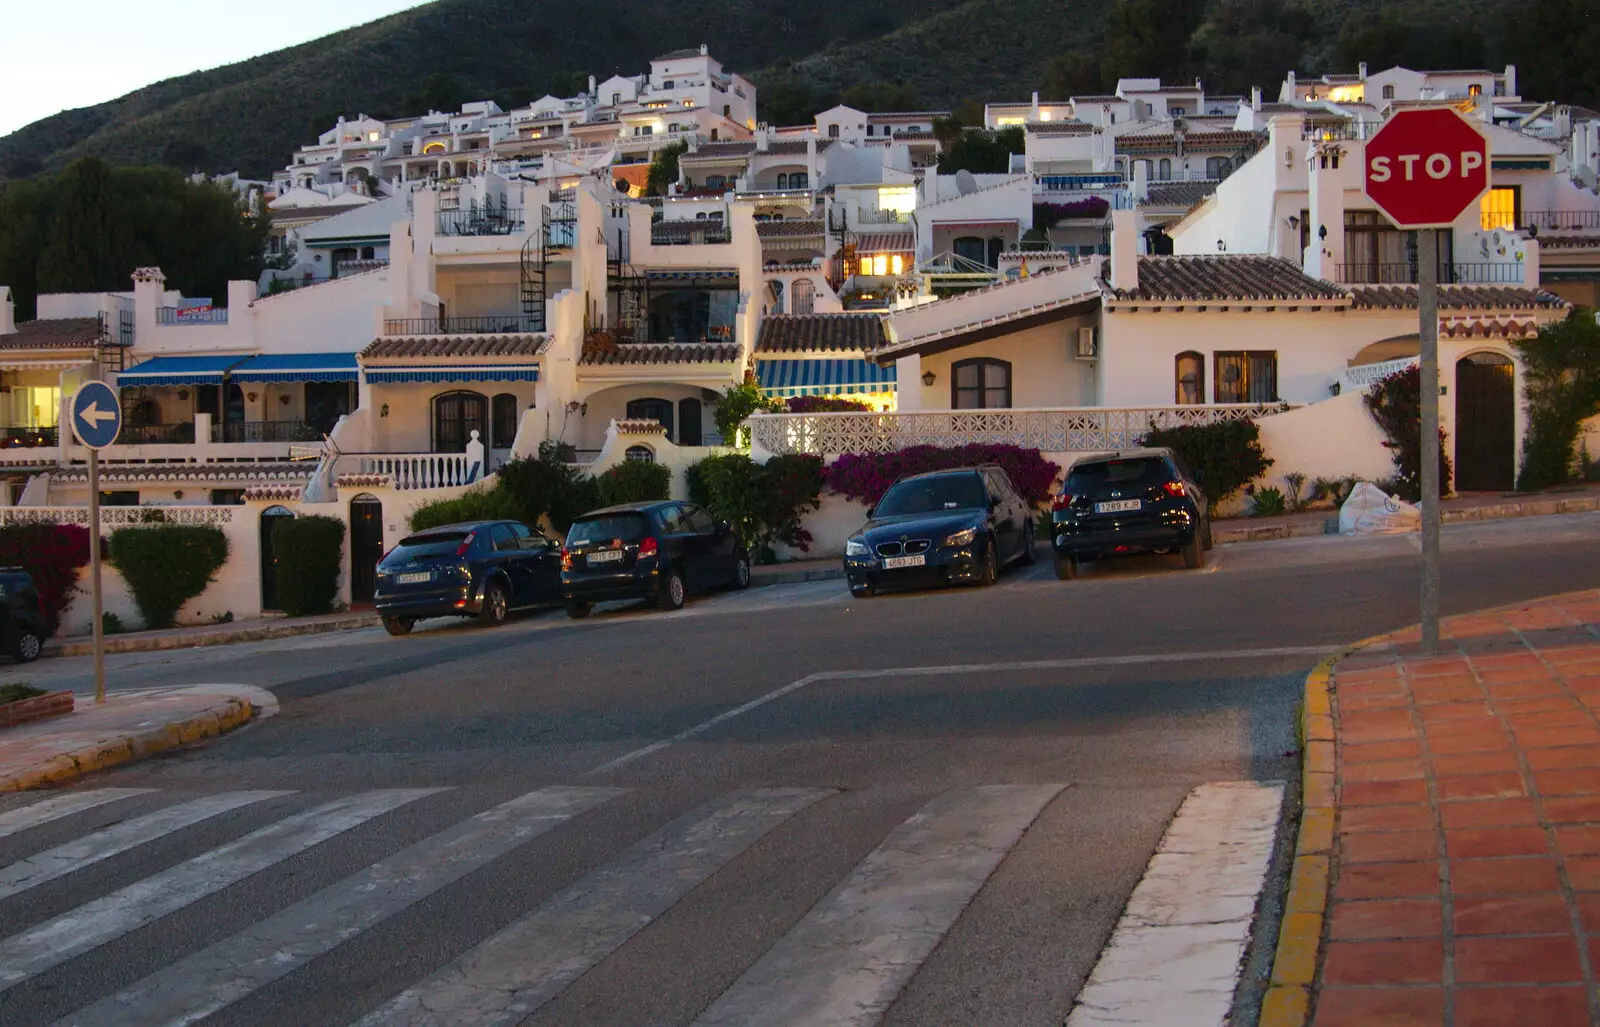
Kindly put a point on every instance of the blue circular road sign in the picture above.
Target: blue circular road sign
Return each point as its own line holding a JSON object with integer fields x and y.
{"x": 96, "y": 415}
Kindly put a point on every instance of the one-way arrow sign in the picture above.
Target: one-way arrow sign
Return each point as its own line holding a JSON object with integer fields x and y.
{"x": 96, "y": 415}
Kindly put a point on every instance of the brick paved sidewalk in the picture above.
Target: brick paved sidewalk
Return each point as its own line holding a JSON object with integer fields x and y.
{"x": 1466, "y": 882}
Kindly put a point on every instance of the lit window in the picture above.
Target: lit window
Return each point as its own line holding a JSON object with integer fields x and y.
{"x": 897, "y": 264}
{"x": 1475, "y": 90}
{"x": 880, "y": 264}
{"x": 1499, "y": 209}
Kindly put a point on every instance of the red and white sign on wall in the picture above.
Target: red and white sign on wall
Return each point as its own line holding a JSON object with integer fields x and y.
{"x": 1426, "y": 167}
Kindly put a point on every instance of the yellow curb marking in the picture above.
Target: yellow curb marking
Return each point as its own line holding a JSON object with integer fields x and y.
{"x": 122, "y": 750}
{"x": 1316, "y": 831}
{"x": 1284, "y": 1006}
{"x": 1308, "y": 885}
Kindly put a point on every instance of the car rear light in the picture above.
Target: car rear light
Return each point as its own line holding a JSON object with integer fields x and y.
{"x": 649, "y": 547}
{"x": 1174, "y": 488}
{"x": 566, "y": 559}
{"x": 466, "y": 543}
{"x": 1065, "y": 500}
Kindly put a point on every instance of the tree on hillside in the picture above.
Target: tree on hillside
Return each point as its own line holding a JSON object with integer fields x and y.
{"x": 1074, "y": 73}
{"x": 441, "y": 92}
{"x": 24, "y": 220}
{"x": 664, "y": 169}
{"x": 1387, "y": 41}
{"x": 1554, "y": 44}
{"x": 1150, "y": 38}
{"x": 1246, "y": 43}
{"x": 877, "y": 97}
{"x": 982, "y": 152}
{"x": 89, "y": 247}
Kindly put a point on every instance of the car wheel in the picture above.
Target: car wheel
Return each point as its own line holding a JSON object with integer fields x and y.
{"x": 1207, "y": 544}
{"x": 990, "y": 571}
{"x": 672, "y": 591}
{"x": 863, "y": 591}
{"x": 495, "y": 604}
{"x": 29, "y": 645}
{"x": 398, "y": 625}
{"x": 577, "y": 609}
{"x": 1194, "y": 555}
{"x": 1066, "y": 567}
{"x": 741, "y": 571}
{"x": 1030, "y": 554}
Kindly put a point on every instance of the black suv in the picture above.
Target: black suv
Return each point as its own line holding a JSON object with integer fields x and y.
{"x": 1133, "y": 502}
{"x": 480, "y": 569}
{"x": 22, "y": 627}
{"x": 941, "y": 527}
{"x": 654, "y": 551}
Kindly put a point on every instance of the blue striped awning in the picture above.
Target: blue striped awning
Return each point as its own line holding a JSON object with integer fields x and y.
{"x": 823, "y": 377}
{"x": 297, "y": 367}
{"x": 198, "y": 370}
{"x": 484, "y": 373}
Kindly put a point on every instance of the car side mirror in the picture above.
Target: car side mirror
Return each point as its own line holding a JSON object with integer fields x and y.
{"x": 994, "y": 502}
{"x": 869, "y": 512}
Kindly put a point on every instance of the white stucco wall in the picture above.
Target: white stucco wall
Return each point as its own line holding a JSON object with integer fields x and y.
{"x": 1045, "y": 370}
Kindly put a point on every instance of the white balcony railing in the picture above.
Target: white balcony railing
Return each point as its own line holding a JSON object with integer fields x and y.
{"x": 117, "y": 516}
{"x": 1363, "y": 375}
{"x": 423, "y": 470}
{"x": 1066, "y": 430}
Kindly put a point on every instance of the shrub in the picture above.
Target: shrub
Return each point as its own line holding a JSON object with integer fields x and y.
{"x": 166, "y": 565}
{"x": 1395, "y": 403}
{"x": 52, "y": 553}
{"x": 866, "y": 476}
{"x": 764, "y": 502}
{"x": 307, "y": 553}
{"x": 634, "y": 481}
{"x": 736, "y": 405}
{"x": 111, "y": 624}
{"x": 16, "y": 691}
{"x": 477, "y": 505}
{"x": 548, "y": 486}
{"x": 1225, "y": 456}
{"x": 1295, "y": 495}
{"x": 1561, "y": 374}
{"x": 1269, "y": 502}
{"x": 826, "y": 405}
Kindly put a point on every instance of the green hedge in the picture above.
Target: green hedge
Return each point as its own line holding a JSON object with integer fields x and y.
{"x": 764, "y": 502}
{"x": 307, "y": 553}
{"x": 1561, "y": 383}
{"x": 480, "y": 505}
{"x": 1224, "y": 457}
{"x": 634, "y": 481}
{"x": 166, "y": 565}
{"x": 548, "y": 486}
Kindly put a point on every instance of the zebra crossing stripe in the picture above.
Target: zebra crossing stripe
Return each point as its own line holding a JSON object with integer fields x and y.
{"x": 93, "y": 924}
{"x": 212, "y": 978}
{"x": 103, "y": 844}
{"x": 21, "y": 819}
{"x": 847, "y": 959}
{"x": 519, "y": 969}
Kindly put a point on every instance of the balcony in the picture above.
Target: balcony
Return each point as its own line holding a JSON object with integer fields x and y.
{"x": 263, "y": 431}
{"x": 1548, "y": 220}
{"x": 509, "y": 324}
{"x": 1079, "y": 183}
{"x": 1405, "y": 273}
{"x": 689, "y": 233}
{"x": 156, "y": 434}
{"x": 883, "y": 217}
{"x": 29, "y": 438}
{"x": 478, "y": 222}
{"x": 191, "y": 315}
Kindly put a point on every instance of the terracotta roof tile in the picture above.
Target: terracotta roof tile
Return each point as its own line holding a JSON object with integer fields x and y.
{"x": 747, "y": 148}
{"x": 256, "y": 472}
{"x": 54, "y": 333}
{"x": 789, "y": 228}
{"x": 434, "y": 347}
{"x": 820, "y": 333}
{"x": 1192, "y": 141}
{"x": 1179, "y": 195}
{"x": 1457, "y": 297}
{"x": 664, "y": 353}
{"x": 1551, "y": 241}
{"x": 1226, "y": 278}
{"x": 1061, "y": 128}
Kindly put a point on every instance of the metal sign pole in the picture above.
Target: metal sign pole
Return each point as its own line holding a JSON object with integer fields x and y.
{"x": 94, "y": 577}
{"x": 1428, "y": 332}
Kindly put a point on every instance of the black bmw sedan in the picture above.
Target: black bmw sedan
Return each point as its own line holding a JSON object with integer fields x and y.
{"x": 941, "y": 528}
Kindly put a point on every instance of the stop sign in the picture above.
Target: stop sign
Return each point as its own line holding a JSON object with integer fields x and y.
{"x": 1425, "y": 167}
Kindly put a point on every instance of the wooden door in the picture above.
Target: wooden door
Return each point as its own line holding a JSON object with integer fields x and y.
{"x": 1486, "y": 424}
{"x": 366, "y": 546}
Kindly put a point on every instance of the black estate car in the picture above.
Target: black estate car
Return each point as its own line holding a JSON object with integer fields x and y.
{"x": 479, "y": 569}
{"x": 938, "y": 528}
{"x": 1132, "y": 502}
{"x": 22, "y": 626}
{"x": 656, "y": 551}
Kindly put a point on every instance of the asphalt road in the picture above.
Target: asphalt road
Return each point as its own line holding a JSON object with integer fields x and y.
{"x": 787, "y": 770}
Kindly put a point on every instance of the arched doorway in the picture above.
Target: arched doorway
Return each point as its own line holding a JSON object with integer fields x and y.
{"x": 269, "y": 571}
{"x": 366, "y": 546}
{"x": 456, "y": 415}
{"x": 1486, "y": 423}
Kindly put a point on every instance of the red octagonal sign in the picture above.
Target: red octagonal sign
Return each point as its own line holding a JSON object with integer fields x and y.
{"x": 1425, "y": 167}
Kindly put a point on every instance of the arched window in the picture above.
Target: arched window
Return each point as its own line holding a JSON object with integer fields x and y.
{"x": 798, "y": 180}
{"x": 369, "y": 253}
{"x": 802, "y": 298}
{"x": 644, "y": 454}
{"x": 776, "y": 289}
{"x": 783, "y": 180}
{"x": 1164, "y": 169}
{"x": 456, "y": 415}
{"x": 1189, "y": 379}
{"x": 981, "y": 383}
{"x": 503, "y": 421}
{"x": 652, "y": 409}
{"x": 1388, "y": 92}
{"x": 970, "y": 247}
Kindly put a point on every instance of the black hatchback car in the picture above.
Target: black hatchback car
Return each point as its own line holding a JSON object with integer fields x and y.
{"x": 1137, "y": 501}
{"x": 481, "y": 569}
{"x": 22, "y": 624}
{"x": 940, "y": 528}
{"x": 656, "y": 551}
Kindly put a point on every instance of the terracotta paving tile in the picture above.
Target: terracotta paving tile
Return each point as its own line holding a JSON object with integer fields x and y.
{"x": 1511, "y": 914}
{"x": 1588, "y": 904}
{"x": 1533, "y": 720}
{"x": 1554, "y": 737}
{"x": 1386, "y": 962}
{"x": 1391, "y": 1007}
{"x": 1388, "y": 847}
{"x": 1506, "y": 1007}
{"x": 1393, "y": 881}
{"x": 1427, "y": 697}
{"x": 1351, "y": 703}
{"x": 1488, "y": 813}
{"x": 1475, "y": 762}
{"x": 1483, "y": 742}
{"x": 1386, "y": 918}
{"x": 1383, "y": 793}
{"x": 1567, "y": 782}
{"x": 1538, "y": 704}
{"x": 1584, "y": 873}
{"x": 1376, "y": 725}
{"x": 1387, "y": 770}
{"x": 1536, "y": 960}
{"x": 1578, "y": 841}
{"x": 1361, "y": 819}
{"x": 1481, "y": 842}
{"x": 1498, "y": 784}
{"x": 1503, "y": 876}
{"x": 1565, "y": 758}
{"x": 1573, "y": 810}
{"x": 1450, "y": 712}
{"x": 1527, "y": 690}
{"x": 1373, "y": 752}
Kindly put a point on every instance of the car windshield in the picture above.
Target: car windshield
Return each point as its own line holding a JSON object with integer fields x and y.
{"x": 617, "y": 527}
{"x": 1088, "y": 477}
{"x": 931, "y": 495}
{"x": 414, "y": 547}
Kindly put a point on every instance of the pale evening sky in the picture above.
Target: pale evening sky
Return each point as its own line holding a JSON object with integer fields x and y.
{"x": 62, "y": 54}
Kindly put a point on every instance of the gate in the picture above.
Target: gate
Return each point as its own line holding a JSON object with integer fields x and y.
{"x": 1486, "y": 423}
{"x": 269, "y": 571}
{"x": 366, "y": 546}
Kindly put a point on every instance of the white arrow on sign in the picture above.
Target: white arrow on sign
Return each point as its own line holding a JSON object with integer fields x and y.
{"x": 92, "y": 415}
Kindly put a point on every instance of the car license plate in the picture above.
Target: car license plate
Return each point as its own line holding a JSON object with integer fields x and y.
{"x": 607, "y": 556}
{"x": 1117, "y": 506}
{"x": 413, "y": 579}
{"x": 891, "y": 563}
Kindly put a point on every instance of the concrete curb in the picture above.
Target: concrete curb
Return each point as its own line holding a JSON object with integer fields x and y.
{"x": 138, "y": 642}
{"x": 796, "y": 577}
{"x": 111, "y": 752}
{"x": 1268, "y": 531}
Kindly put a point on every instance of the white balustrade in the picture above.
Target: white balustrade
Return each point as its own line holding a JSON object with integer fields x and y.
{"x": 1065, "y": 430}
{"x": 117, "y": 516}
{"x": 1363, "y": 375}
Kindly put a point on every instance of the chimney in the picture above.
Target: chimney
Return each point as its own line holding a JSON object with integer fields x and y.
{"x": 1255, "y": 98}
{"x": 1124, "y": 250}
{"x": 704, "y": 50}
{"x": 1361, "y": 69}
{"x": 591, "y": 85}
{"x": 763, "y": 137}
{"x": 1035, "y": 115}
{"x": 1289, "y": 87}
{"x": 8, "y": 312}
{"x": 1325, "y": 251}
{"x": 1511, "y": 80}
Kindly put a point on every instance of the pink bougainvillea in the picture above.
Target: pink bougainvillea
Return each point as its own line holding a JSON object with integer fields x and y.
{"x": 866, "y": 476}
{"x": 52, "y": 554}
{"x": 825, "y": 405}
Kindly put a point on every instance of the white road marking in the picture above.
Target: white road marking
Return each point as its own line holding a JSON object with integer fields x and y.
{"x": 95, "y": 923}
{"x": 935, "y": 671}
{"x": 519, "y": 969}
{"x": 25, "y": 817}
{"x": 215, "y": 977}
{"x": 847, "y": 959}
{"x": 103, "y": 844}
{"x": 1176, "y": 953}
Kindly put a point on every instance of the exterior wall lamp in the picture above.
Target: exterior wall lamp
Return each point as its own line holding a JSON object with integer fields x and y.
{"x": 383, "y": 411}
{"x": 928, "y": 378}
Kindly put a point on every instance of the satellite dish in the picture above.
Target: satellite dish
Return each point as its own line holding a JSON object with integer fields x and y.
{"x": 966, "y": 185}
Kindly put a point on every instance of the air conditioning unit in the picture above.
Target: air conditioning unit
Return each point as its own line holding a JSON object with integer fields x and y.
{"x": 1087, "y": 343}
